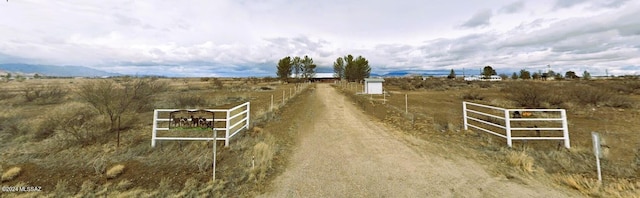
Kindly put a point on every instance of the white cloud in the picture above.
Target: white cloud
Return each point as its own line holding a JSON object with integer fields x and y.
{"x": 223, "y": 37}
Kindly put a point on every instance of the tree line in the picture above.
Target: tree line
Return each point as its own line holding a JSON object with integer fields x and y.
{"x": 351, "y": 69}
{"x": 348, "y": 68}
{"x": 488, "y": 71}
{"x": 303, "y": 68}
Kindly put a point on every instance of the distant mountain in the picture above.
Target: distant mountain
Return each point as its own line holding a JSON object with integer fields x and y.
{"x": 60, "y": 71}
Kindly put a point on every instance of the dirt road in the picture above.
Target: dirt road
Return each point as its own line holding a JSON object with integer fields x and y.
{"x": 344, "y": 153}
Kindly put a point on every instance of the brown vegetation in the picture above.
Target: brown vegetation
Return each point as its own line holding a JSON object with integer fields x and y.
{"x": 605, "y": 106}
{"x": 64, "y": 146}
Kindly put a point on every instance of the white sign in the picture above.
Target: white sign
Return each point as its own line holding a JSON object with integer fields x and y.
{"x": 596, "y": 144}
{"x": 598, "y": 152}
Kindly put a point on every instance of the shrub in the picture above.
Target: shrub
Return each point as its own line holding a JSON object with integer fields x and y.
{"x": 115, "y": 98}
{"x": 217, "y": 83}
{"x": 472, "y": 96}
{"x": 49, "y": 94}
{"x": 189, "y": 101}
{"x": 115, "y": 171}
{"x": 588, "y": 95}
{"x": 527, "y": 95}
{"x": 4, "y": 95}
{"x": 619, "y": 101}
{"x": 74, "y": 123}
{"x": 263, "y": 155}
{"x": 521, "y": 160}
{"x": 11, "y": 173}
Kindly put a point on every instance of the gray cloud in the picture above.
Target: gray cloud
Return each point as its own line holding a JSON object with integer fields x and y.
{"x": 514, "y": 7}
{"x": 479, "y": 19}
{"x": 614, "y": 3}
{"x": 567, "y": 3}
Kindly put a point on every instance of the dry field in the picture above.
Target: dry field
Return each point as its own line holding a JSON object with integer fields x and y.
{"x": 53, "y": 138}
{"x": 609, "y": 107}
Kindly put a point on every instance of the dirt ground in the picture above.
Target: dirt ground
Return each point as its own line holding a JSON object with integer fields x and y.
{"x": 344, "y": 152}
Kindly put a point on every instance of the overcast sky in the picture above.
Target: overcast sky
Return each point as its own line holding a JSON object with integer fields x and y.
{"x": 247, "y": 37}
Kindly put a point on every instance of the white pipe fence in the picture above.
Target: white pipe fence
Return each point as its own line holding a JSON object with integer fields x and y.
{"x": 234, "y": 123}
{"x": 480, "y": 117}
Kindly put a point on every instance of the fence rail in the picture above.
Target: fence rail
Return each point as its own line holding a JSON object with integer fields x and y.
{"x": 232, "y": 125}
{"x": 478, "y": 116}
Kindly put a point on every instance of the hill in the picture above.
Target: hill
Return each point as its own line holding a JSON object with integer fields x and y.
{"x": 50, "y": 70}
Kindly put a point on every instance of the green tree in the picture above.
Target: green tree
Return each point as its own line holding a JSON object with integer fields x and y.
{"x": 452, "y": 74}
{"x": 356, "y": 69}
{"x": 37, "y": 76}
{"x": 536, "y": 76}
{"x": 525, "y": 75}
{"x": 308, "y": 68}
{"x": 297, "y": 66}
{"x": 20, "y": 78}
{"x": 586, "y": 75}
{"x": 488, "y": 71}
{"x": 284, "y": 68}
{"x": 559, "y": 77}
{"x": 338, "y": 68}
{"x": 504, "y": 76}
{"x": 514, "y": 76}
{"x": 121, "y": 100}
{"x": 570, "y": 75}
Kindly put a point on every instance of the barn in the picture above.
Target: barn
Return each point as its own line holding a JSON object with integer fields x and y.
{"x": 373, "y": 85}
{"x": 324, "y": 77}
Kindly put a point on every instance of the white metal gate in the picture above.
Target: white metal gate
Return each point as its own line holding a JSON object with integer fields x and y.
{"x": 235, "y": 120}
{"x": 494, "y": 120}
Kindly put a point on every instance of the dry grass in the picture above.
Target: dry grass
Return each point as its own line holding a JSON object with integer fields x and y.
{"x": 587, "y": 186}
{"x": 11, "y": 173}
{"x": 609, "y": 112}
{"x": 115, "y": 171}
{"x": 261, "y": 158}
{"x": 521, "y": 160}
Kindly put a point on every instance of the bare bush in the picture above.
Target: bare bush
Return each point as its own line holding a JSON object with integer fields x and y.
{"x": 4, "y": 95}
{"x": 49, "y": 94}
{"x": 116, "y": 98}
{"x": 527, "y": 95}
{"x": 189, "y": 101}
{"x": 588, "y": 95}
{"x": 74, "y": 123}
{"x": 472, "y": 96}
{"x": 618, "y": 101}
{"x": 217, "y": 83}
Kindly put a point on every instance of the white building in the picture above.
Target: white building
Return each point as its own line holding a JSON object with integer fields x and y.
{"x": 373, "y": 85}
{"x": 483, "y": 78}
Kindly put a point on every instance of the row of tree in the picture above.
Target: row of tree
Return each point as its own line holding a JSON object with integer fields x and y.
{"x": 488, "y": 71}
{"x": 348, "y": 67}
{"x": 303, "y": 68}
{"x": 351, "y": 69}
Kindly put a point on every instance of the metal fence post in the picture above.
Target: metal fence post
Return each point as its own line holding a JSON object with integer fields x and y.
{"x": 565, "y": 128}
{"x": 155, "y": 126}
{"x": 248, "y": 114}
{"x": 464, "y": 115}
{"x": 406, "y": 104}
{"x": 215, "y": 144}
{"x": 228, "y": 123}
{"x": 507, "y": 127}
